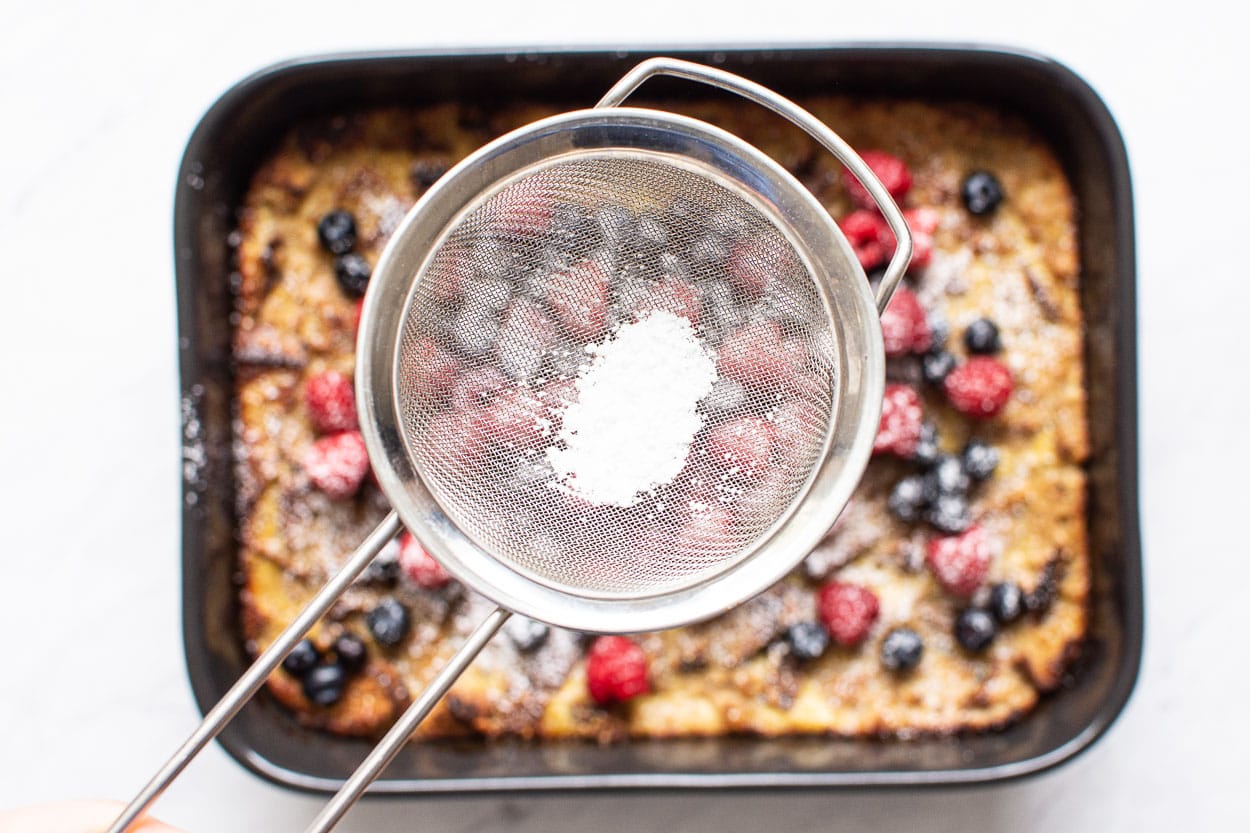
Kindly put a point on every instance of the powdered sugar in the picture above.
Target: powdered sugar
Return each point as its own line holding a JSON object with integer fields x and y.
{"x": 635, "y": 415}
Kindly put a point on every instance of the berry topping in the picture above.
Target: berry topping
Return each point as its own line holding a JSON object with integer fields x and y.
{"x": 324, "y": 684}
{"x": 579, "y": 298}
{"x": 936, "y": 364}
{"x": 337, "y": 232}
{"x": 337, "y": 464}
{"x": 526, "y": 634}
{"x": 807, "y": 640}
{"x": 980, "y": 459}
{"x": 388, "y": 622}
{"x": 981, "y": 337}
{"x": 960, "y": 562}
{"x": 927, "y": 450}
{"x": 974, "y": 629}
{"x": 434, "y": 369}
{"x": 922, "y": 222}
{"x": 949, "y": 513}
{"x": 901, "y": 420}
{"x": 302, "y": 659}
{"x": 425, "y": 172}
{"x": 743, "y": 445}
{"x": 909, "y": 498}
{"x": 981, "y": 192}
{"x": 616, "y": 670}
{"x": 756, "y": 356}
{"x": 419, "y": 565}
{"x": 1006, "y": 602}
{"x": 901, "y": 649}
{"x": 847, "y": 611}
{"x": 384, "y": 568}
{"x": 904, "y": 325}
{"x": 949, "y": 476}
{"x": 350, "y": 652}
{"x": 892, "y": 172}
{"x": 331, "y": 402}
{"x": 353, "y": 273}
{"x": 980, "y": 387}
{"x": 750, "y": 267}
{"x": 869, "y": 236}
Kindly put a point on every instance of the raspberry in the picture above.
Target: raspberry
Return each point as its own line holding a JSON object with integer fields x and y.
{"x": 750, "y": 268}
{"x": 904, "y": 325}
{"x": 922, "y": 222}
{"x": 847, "y": 611}
{"x": 476, "y": 387}
{"x": 869, "y": 236}
{"x": 979, "y": 387}
{"x": 462, "y": 437}
{"x": 434, "y": 369}
{"x": 892, "y": 172}
{"x": 579, "y": 298}
{"x": 960, "y": 562}
{"x": 419, "y": 565}
{"x": 331, "y": 402}
{"x": 755, "y": 355}
{"x": 616, "y": 670}
{"x": 337, "y": 464}
{"x": 676, "y": 296}
{"x": 902, "y": 419}
{"x": 744, "y": 444}
{"x": 709, "y": 529}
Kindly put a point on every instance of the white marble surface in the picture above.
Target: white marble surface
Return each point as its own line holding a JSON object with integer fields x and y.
{"x": 98, "y": 101}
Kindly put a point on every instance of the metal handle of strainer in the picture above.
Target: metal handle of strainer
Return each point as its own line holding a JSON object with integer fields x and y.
{"x": 802, "y": 119}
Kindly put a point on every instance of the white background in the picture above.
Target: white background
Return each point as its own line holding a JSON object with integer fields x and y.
{"x": 96, "y": 103}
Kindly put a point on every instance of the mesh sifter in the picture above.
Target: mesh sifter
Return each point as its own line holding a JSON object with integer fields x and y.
{"x": 534, "y": 294}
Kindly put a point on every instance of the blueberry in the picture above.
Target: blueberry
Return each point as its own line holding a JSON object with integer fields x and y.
{"x": 901, "y": 649}
{"x": 1006, "y": 602}
{"x": 337, "y": 232}
{"x": 425, "y": 172}
{"x": 949, "y": 513}
{"x": 384, "y": 568}
{"x": 939, "y": 331}
{"x": 927, "y": 452}
{"x": 710, "y": 248}
{"x": 301, "y": 659}
{"x": 388, "y": 622}
{"x": 936, "y": 364}
{"x": 949, "y": 475}
{"x": 980, "y": 459}
{"x": 908, "y": 498}
{"x": 353, "y": 272}
{"x": 807, "y": 640}
{"x": 981, "y": 192}
{"x": 324, "y": 684}
{"x": 526, "y": 634}
{"x": 616, "y": 224}
{"x": 974, "y": 629}
{"x": 981, "y": 337}
{"x": 350, "y": 652}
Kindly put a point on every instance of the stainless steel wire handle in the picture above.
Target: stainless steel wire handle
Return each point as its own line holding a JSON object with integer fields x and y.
{"x": 251, "y": 681}
{"x": 804, "y": 120}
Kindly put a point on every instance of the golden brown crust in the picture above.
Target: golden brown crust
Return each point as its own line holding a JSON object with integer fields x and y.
{"x": 1018, "y": 266}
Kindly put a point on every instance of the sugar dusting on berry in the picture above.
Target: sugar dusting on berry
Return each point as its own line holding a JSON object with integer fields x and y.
{"x": 630, "y": 429}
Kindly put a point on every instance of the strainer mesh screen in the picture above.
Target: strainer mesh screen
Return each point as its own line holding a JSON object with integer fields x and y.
{"x": 615, "y": 374}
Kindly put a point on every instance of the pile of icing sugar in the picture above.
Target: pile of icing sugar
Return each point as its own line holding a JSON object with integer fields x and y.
{"x": 630, "y": 427}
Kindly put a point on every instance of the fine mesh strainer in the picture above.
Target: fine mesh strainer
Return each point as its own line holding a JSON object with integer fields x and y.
{"x": 515, "y": 320}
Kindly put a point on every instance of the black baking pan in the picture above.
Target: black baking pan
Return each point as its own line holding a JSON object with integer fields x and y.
{"x": 244, "y": 125}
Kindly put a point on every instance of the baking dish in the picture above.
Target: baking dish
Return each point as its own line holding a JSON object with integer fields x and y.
{"x": 242, "y": 126}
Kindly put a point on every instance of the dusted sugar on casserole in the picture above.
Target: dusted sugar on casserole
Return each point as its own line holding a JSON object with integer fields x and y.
{"x": 950, "y": 594}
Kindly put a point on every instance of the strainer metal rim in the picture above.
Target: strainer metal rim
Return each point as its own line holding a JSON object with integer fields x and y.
{"x": 858, "y": 392}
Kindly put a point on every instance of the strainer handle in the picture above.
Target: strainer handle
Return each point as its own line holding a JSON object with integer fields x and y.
{"x": 251, "y": 681}
{"x": 386, "y": 750}
{"x": 795, "y": 114}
